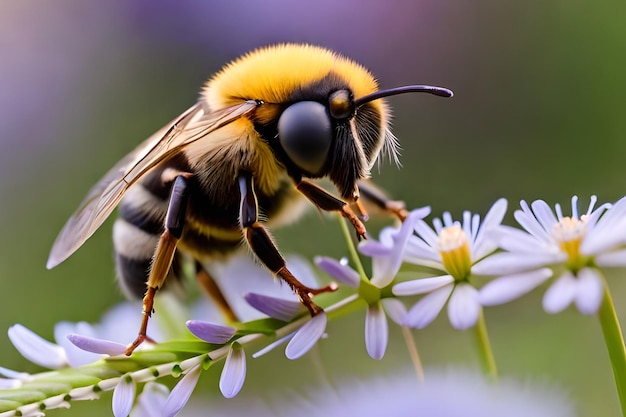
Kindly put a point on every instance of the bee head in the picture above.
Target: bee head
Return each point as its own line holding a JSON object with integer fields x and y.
{"x": 339, "y": 136}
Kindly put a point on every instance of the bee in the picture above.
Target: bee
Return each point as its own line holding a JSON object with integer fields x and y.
{"x": 240, "y": 161}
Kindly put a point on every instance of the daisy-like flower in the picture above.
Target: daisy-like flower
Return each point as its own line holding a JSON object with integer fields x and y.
{"x": 386, "y": 257}
{"x": 452, "y": 248}
{"x": 569, "y": 247}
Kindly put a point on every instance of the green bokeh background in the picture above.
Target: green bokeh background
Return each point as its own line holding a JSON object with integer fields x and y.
{"x": 538, "y": 112}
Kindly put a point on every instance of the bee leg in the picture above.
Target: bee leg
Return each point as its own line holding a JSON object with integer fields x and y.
{"x": 209, "y": 286}
{"x": 264, "y": 248}
{"x": 327, "y": 202}
{"x": 164, "y": 254}
{"x": 375, "y": 196}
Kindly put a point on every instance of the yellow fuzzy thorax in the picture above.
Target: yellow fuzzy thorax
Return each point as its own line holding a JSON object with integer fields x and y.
{"x": 273, "y": 73}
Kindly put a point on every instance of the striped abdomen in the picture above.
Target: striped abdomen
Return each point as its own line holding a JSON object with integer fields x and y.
{"x": 211, "y": 230}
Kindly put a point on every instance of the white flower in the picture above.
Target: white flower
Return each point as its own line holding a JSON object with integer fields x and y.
{"x": 452, "y": 248}
{"x": 386, "y": 257}
{"x": 570, "y": 247}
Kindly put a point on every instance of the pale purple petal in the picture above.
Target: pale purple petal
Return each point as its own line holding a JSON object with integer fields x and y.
{"x": 123, "y": 396}
{"x": 374, "y": 248}
{"x": 506, "y": 263}
{"x": 612, "y": 259}
{"x": 509, "y": 287}
{"x": 36, "y": 349}
{"x": 75, "y": 355}
{"x": 385, "y": 268}
{"x": 394, "y": 309}
{"x": 421, "y": 285}
{"x": 463, "y": 307}
{"x": 234, "y": 373}
{"x": 181, "y": 392}
{"x": 99, "y": 346}
{"x": 278, "y": 308}
{"x": 560, "y": 294}
{"x": 337, "y": 270}
{"x": 427, "y": 309}
{"x": 590, "y": 291}
{"x": 376, "y": 331}
{"x": 210, "y": 332}
{"x": 306, "y": 337}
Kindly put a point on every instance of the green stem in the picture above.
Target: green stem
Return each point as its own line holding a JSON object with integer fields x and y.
{"x": 614, "y": 341}
{"x": 352, "y": 249}
{"x": 484, "y": 347}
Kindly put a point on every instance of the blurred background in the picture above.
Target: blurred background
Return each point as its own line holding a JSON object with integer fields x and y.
{"x": 538, "y": 112}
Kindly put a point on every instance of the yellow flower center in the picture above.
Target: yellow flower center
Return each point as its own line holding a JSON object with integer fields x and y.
{"x": 453, "y": 247}
{"x": 569, "y": 233}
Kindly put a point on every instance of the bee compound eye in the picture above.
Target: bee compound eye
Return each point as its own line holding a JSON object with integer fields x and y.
{"x": 305, "y": 133}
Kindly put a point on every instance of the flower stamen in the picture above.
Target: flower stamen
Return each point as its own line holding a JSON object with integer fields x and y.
{"x": 569, "y": 233}
{"x": 453, "y": 247}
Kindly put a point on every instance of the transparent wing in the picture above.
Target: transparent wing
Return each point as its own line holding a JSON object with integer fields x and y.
{"x": 192, "y": 125}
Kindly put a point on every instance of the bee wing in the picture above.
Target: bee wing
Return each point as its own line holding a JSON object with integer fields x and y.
{"x": 192, "y": 125}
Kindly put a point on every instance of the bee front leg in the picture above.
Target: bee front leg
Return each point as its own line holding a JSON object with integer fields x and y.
{"x": 327, "y": 202}
{"x": 164, "y": 253}
{"x": 264, "y": 248}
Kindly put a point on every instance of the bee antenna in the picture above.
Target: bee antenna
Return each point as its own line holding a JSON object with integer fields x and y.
{"x": 438, "y": 91}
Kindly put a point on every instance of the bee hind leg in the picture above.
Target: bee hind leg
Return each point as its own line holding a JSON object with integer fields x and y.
{"x": 264, "y": 248}
{"x": 164, "y": 254}
{"x": 377, "y": 198}
{"x": 210, "y": 287}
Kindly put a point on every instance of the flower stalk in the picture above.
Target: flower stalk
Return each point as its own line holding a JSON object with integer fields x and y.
{"x": 614, "y": 340}
{"x": 487, "y": 358}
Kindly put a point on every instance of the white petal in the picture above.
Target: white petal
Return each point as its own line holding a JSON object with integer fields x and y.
{"x": 529, "y": 222}
{"x": 506, "y": 263}
{"x": 306, "y": 337}
{"x": 560, "y": 294}
{"x": 421, "y": 285}
{"x": 394, "y": 309}
{"x": 544, "y": 214}
{"x": 486, "y": 240}
{"x": 123, "y": 396}
{"x": 427, "y": 309}
{"x": 234, "y": 373}
{"x": 376, "y": 331}
{"x": 416, "y": 250}
{"x": 181, "y": 392}
{"x": 509, "y": 287}
{"x": 590, "y": 291}
{"x": 210, "y": 332}
{"x": 426, "y": 233}
{"x": 463, "y": 307}
{"x": 151, "y": 400}
{"x": 615, "y": 258}
{"x": 36, "y": 349}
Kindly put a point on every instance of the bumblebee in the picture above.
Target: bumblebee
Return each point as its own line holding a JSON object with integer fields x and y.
{"x": 237, "y": 162}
